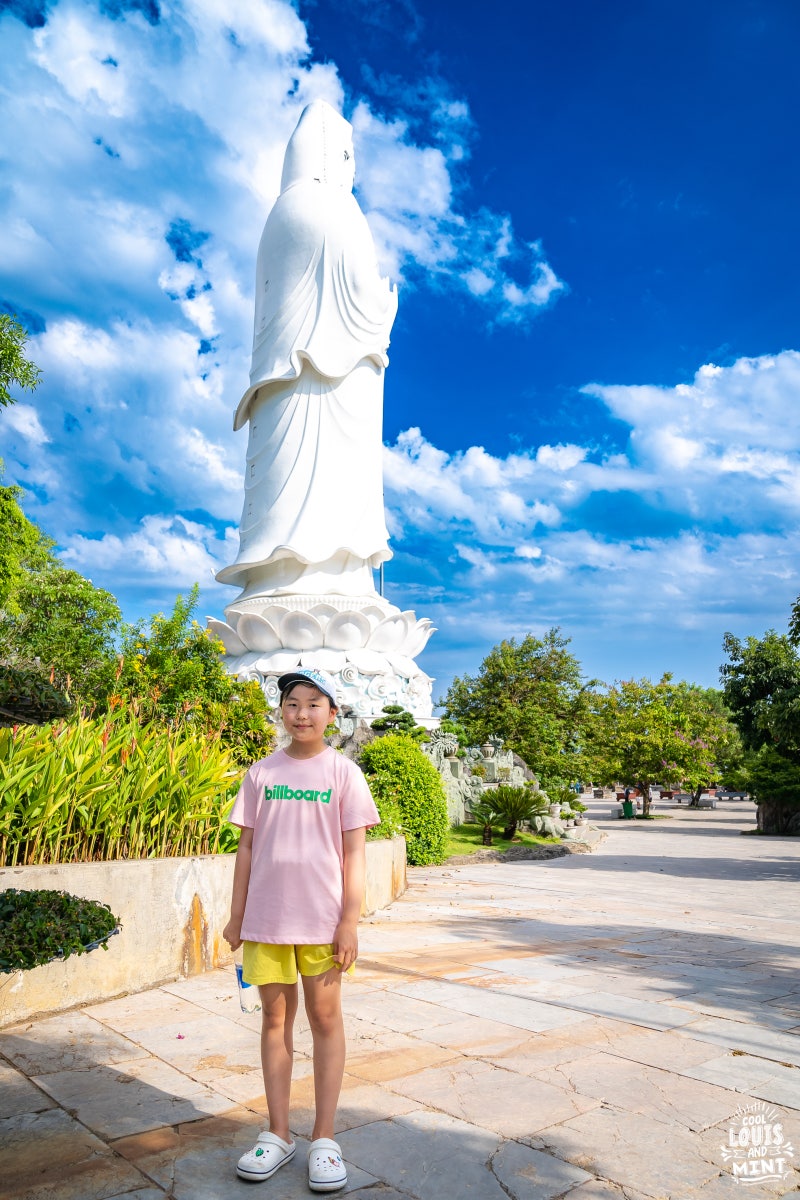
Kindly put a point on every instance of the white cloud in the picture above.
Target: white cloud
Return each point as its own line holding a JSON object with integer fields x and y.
{"x": 418, "y": 219}
{"x": 24, "y": 419}
{"x": 726, "y": 445}
{"x": 710, "y": 466}
{"x": 163, "y": 547}
{"x": 725, "y": 449}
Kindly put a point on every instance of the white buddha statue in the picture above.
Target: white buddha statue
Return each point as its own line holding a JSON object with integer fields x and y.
{"x": 313, "y": 519}
{"x": 313, "y": 527}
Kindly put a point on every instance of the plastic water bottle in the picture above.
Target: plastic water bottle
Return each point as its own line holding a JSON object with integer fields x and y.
{"x": 248, "y": 994}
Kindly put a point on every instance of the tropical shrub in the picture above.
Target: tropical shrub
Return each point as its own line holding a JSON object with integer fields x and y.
{"x": 111, "y": 787}
{"x": 399, "y": 773}
{"x": 28, "y": 696}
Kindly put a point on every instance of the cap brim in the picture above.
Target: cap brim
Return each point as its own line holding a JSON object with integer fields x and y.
{"x": 285, "y": 681}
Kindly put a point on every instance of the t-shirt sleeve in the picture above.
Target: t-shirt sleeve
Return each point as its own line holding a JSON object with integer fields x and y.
{"x": 245, "y": 805}
{"x": 357, "y": 807}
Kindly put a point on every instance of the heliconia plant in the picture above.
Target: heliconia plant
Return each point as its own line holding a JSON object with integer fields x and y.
{"x": 112, "y": 787}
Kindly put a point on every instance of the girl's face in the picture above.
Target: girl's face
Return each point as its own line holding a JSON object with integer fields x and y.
{"x": 306, "y": 713}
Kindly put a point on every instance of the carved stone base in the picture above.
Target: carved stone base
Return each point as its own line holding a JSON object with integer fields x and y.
{"x": 367, "y": 644}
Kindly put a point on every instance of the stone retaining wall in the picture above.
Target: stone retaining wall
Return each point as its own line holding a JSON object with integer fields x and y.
{"x": 172, "y": 912}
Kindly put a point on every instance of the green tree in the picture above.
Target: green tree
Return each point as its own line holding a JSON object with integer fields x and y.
{"x": 761, "y": 685}
{"x": 23, "y": 546}
{"x": 27, "y": 690}
{"x": 173, "y": 669}
{"x": 63, "y": 622}
{"x": 644, "y": 733}
{"x": 15, "y": 369}
{"x": 172, "y": 665}
{"x": 531, "y": 694}
{"x": 397, "y": 719}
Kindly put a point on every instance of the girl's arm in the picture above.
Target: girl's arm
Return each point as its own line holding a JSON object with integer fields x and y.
{"x": 232, "y": 932}
{"x": 345, "y": 940}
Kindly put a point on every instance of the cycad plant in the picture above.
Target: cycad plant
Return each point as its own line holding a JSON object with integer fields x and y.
{"x": 514, "y": 805}
{"x": 484, "y": 814}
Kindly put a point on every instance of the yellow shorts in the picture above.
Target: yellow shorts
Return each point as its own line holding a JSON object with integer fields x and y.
{"x": 265, "y": 963}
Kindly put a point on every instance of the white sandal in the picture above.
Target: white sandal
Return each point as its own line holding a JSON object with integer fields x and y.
{"x": 267, "y": 1156}
{"x": 326, "y": 1169}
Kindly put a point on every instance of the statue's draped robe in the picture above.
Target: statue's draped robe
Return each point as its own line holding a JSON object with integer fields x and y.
{"x": 313, "y": 517}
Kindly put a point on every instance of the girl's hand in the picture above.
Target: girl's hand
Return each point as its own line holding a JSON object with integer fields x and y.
{"x": 345, "y": 944}
{"x": 232, "y": 934}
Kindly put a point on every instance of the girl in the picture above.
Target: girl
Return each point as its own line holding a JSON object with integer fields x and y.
{"x": 298, "y": 885}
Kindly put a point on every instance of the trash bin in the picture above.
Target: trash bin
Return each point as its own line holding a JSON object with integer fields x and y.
{"x": 628, "y": 810}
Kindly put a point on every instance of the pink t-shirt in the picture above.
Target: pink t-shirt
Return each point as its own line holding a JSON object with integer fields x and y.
{"x": 297, "y": 809}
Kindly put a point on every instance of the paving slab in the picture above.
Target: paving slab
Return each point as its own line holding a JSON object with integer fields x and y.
{"x": 475, "y": 1036}
{"x": 657, "y": 1048}
{"x": 741, "y": 1072}
{"x": 51, "y": 1156}
{"x": 555, "y": 1046}
{"x": 206, "y": 1048}
{"x": 527, "y": 1174}
{"x": 429, "y": 1156}
{"x": 145, "y": 1010}
{"x": 479, "y": 1002}
{"x": 63, "y": 1042}
{"x": 637, "y": 1152}
{"x": 141, "y": 1094}
{"x": 599, "y": 1189}
{"x": 674, "y": 1099}
{"x": 650, "y": 1014}
{"x": 495, "y": 1098}
{"x": 746, "y": 1037}
{"x": 18, "y": 1095}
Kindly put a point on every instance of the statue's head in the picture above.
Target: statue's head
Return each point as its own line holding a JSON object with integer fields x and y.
{"x": 320, "y": 148}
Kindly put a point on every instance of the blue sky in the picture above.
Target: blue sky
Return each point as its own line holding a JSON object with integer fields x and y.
{"x": 591, "y": 415}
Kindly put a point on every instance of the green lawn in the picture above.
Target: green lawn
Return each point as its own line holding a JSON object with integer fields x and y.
{"x": 466, "y": 839}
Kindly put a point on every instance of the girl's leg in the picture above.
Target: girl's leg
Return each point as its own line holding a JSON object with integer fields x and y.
{"x": 278, "y": 1009}
{"x": 323, "y": 997}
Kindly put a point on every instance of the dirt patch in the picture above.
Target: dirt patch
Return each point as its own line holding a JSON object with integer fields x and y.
{"x": 515, "y": 853}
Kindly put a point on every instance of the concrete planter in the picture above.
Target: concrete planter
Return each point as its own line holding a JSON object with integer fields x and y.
{"x": 172, "y": 912}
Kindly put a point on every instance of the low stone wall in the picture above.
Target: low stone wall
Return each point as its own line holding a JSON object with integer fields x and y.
{"x": 172, "y": 912}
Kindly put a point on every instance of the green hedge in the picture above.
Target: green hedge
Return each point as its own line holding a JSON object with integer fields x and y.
{"x": 404, "y": 781}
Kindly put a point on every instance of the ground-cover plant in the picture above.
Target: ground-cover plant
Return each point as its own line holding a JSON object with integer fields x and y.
{"x": 109, "y": 788}
{"x": 39, "y": 925}
{"x": 402, "y": 778}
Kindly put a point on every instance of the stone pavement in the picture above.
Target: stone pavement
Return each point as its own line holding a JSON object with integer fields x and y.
{"x": 622, "y": 1024}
